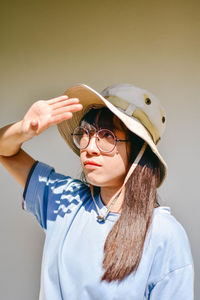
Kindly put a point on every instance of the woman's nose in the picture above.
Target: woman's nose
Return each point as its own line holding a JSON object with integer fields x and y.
{"x": 92, "y": 146}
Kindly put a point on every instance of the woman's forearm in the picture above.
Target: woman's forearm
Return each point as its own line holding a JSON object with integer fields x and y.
{"x": 11, "y": 139}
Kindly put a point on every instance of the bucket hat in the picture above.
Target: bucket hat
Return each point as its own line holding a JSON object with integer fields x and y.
{"x": 139, "y": 110}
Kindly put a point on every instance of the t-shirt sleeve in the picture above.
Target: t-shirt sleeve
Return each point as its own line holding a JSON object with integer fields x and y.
{"x": 43, "y": 191}
{"x": 176, "y": 285}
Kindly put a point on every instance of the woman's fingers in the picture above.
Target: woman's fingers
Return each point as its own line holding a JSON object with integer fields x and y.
{"x": 63, "y": 103}
{"x": 65, "y": 113}
{"x": 57, "y": 99}
{"x": 65, "y": 109}
{"x": 62, "y": 117}
{"x": 45, "y": 113}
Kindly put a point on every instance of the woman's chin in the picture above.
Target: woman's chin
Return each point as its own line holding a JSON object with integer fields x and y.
{"x": 91, "y": 180}
{"x": 102, "y": 181}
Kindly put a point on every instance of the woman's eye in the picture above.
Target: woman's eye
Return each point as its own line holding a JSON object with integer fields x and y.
{"x": 107, "y": 134}
{"x": 109, "y": 137}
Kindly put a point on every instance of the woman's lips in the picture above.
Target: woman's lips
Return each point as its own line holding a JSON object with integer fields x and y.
{"x": 89, "y": 164}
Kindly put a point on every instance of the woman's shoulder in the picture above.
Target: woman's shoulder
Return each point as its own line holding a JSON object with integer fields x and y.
{"x": 169, "y": 239}
{"x": 164, "y": 220}
{"x": 46, "y": 173}
{"x": 43, "y": 176}
{"x": 166, "y": 226}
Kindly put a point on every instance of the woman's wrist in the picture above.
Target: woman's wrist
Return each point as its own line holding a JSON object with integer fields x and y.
{"x": 20, "y": 135}
{"x": 11, "y": 139}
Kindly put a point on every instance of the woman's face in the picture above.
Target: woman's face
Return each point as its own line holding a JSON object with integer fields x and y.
{"x": 106, "y": 169}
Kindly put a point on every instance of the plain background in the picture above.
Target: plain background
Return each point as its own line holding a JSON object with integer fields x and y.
{"x": 46, "y": 46}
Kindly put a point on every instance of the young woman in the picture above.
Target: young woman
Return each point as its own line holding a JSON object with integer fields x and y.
{"x": 107, "y": 237}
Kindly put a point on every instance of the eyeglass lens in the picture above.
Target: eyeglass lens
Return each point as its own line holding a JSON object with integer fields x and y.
{"x": 105, "y": 139}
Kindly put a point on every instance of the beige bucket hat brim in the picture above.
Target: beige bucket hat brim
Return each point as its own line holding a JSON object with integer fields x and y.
{"x": 89, "y": 97}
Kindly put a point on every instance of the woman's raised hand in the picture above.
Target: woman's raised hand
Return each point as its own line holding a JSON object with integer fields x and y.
{"x": 41, "y": 115}
{"x": 44, "y": 113}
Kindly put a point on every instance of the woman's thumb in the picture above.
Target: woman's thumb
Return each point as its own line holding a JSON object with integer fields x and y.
{"x": 34, "y": 125}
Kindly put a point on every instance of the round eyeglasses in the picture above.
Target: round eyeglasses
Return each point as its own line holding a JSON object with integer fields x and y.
{"x": 105, "y": 139}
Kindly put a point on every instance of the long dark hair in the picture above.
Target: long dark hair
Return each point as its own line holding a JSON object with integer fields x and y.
{"x": 124, "y": 244}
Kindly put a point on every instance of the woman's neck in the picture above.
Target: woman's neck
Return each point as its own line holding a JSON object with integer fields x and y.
{"x": 108, "y": 194}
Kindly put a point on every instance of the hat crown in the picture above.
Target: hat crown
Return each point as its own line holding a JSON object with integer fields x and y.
{"x": 140, "y": 104}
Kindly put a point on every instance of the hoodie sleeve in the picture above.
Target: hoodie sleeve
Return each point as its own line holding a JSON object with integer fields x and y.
{"x": 176, "y": 285}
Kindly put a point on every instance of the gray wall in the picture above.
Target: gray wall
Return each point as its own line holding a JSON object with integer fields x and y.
{"x": 48, "y": 45}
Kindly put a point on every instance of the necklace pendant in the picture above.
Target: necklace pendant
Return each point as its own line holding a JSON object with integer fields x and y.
{"x": 100, "y": 218}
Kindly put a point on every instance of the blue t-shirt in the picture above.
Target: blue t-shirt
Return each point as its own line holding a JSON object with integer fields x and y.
{"x": 73, "y": 250}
